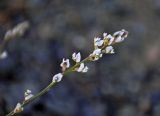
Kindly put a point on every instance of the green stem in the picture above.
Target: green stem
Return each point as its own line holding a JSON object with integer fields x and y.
{"x": 45, "y": 90}
{"x": 34, "y": 97}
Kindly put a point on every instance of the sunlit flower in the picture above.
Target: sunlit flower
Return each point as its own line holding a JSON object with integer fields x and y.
{"x": 28, "y": 94}
{"x": 98, "y": 42}
{"x": 65, "y": 64}
{"x": 3, "y": 55}
{"x": 109, "y": 49}
{"x": 18, "y": 108}
{"x": 82, "y": 68}
{"x": 104, "y": 35}
{"x": 76, "y": 57}
{"x": 97, "y": 53}
{"x": 120, "y": 35}
{"x": 85, "y": 69}
{"x": 57, "y": 77}
{"x": 108, "y": 39}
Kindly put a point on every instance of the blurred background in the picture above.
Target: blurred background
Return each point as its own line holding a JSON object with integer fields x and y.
{"x": 124, "y": 84}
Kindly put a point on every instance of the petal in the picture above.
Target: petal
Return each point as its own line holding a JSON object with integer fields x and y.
{"x": 28, "y": 97}
{"x": 119, "y": 39}
{"x": 68, "y": 63}
{"x": 104, "y": 34}
{"x": 78, "y": 57}
{"x": 57, "y": 77}
{"x": 28, "y": 91}
{"x": 74, "y": 56}
{"x": 80, "y": 67}
{"x": 110, "y": 38}
{"x": 109, "y": 49}
{"x": 85, "y": 69}
{"x": 18, "y": 108}
{"x": 98, "y": 41}
{"x": 97, "y": 52}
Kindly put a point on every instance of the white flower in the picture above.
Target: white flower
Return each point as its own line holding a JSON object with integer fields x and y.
{"x": 117, "y": 33}
{"x": 109, "y": 49}
{"x": 97, "y": 53}
{"x": 28, "y": 97}
{"x": 98, "y": 42}
{"x": 120, "y": 35}
{"x": 110, "y": 39}
{"x": 76, "y": 57}
{"x": 82, "y": 68}
{"x": 104, "y": 35}
{"x": 57, "y": 77}
{"x": 28, "y": 94}
{"x": 3, "y": 55}
{"x": 119, "y": 39}
{"x": 65, "y": 64}
{"x": 85, "y": 69}
{"x": 18, "y": 108}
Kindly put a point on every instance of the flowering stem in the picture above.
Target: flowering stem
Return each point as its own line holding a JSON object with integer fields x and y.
{"x": 97, "y": 53}
{"x": 45, "y": 90}
{"x": 73, "y": 67}
{"x": 34, "y": 97}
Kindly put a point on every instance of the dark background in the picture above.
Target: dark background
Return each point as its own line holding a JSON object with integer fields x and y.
{"x": 124, "y": 84}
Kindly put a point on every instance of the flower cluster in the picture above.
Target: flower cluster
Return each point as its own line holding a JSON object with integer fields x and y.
{"x": 120, "y": 35}
{"x": 28, "y": 94}
{"x": 103, "y": 45}
{"x": 76, "y": 57}
{"x": 65, "y": 64}
{"x": 57, "y": 77}
{"x": 100, "y": 46}
{"x": 82, "y": 68}
{"x": 18, "y": 108}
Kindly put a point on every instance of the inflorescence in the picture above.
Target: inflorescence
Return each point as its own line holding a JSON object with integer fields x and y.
{"x": 17, "y": 31}
{"x": 101, "y": 46}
